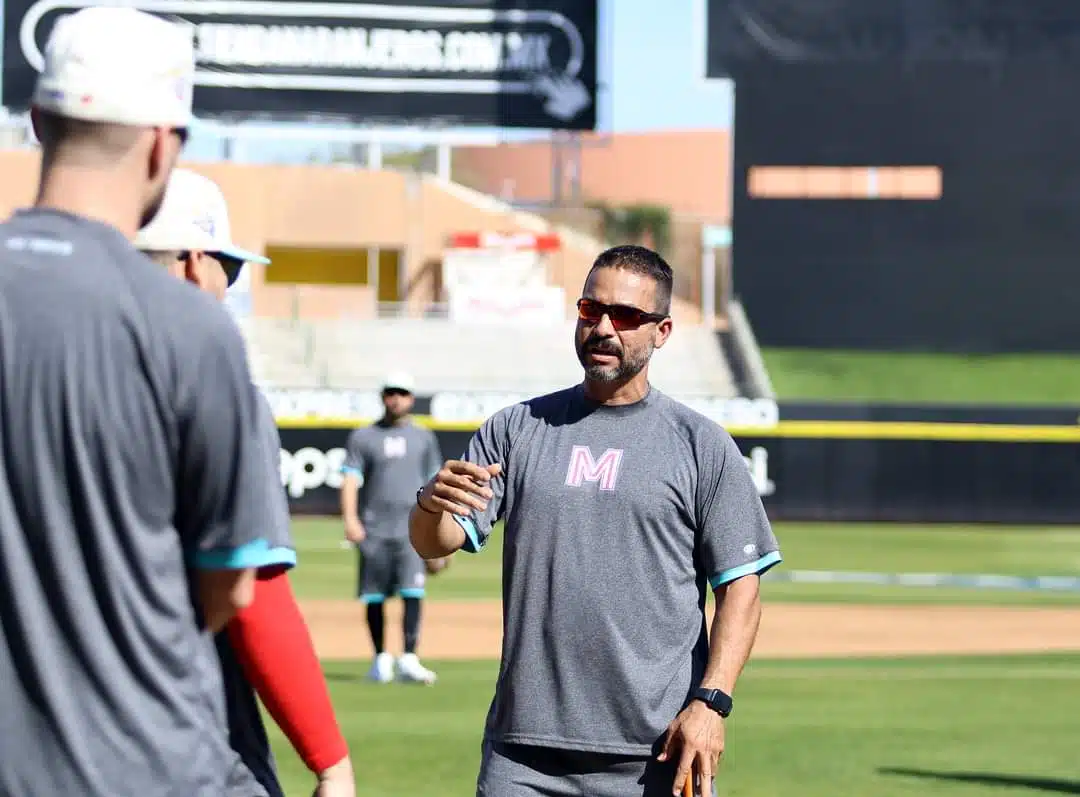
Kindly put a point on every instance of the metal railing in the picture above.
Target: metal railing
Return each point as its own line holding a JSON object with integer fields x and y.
{"x": 433, "y": 310}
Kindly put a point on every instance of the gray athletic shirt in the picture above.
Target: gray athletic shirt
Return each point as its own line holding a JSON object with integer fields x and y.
{"x": 393, "y": 462}
{"x": 254, "y": 770}
{"x": 616, "y": 520}
{"x": 129, "y": 453}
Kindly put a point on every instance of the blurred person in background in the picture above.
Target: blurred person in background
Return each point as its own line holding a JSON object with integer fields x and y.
{"x": 130, "y": 432}
{"x": 266, "y": 649}
{"x": 621, "y": 507}
{"x": 385, "y": 464}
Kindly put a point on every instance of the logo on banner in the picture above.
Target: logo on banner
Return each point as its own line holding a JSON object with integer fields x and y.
{"x": 321, "y": 402}
{"x": 311, "y": 468}
{"x": 728, "y": 412}
{"x": 758, "y": 463}
{"x": 348, "y": 48}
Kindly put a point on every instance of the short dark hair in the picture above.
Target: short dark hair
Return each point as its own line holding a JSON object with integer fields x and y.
{"x": 644, "y": 261}
{"x": 163, "y": 257}
{"x": 56, "y": 131}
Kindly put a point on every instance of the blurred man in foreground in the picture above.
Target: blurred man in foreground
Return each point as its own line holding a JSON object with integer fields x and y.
{"x": 266, "y": 649}
{"x": 129, "y": 431}
{"x": 386, "y": 462}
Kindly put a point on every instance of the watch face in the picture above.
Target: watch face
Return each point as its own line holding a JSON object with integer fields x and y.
{"x": 716, "y": 700}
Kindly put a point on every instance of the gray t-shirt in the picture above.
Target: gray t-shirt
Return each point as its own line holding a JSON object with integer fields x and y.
{"x": 254, "y": 770}
{"x": 617, "y": 518}
{"x": 393, "y": 462}
{"x": 129, "y": 454}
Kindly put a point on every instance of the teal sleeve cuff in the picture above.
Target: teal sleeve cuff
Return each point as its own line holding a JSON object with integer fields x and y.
{"x": 352, "y": 471}
{"x": 279, "y": 557}
{"x": 751, "y": 568}
{"x": 472, "y": 539}
{"x": 252, "y": 554}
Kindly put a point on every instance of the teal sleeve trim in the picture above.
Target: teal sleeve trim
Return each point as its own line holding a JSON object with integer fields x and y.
{"x": 252, "y": 554}
{"x": 412, "y": 593}
{"x": 755, "y": 568}
{"x": 278, "y": 557}
{"x": 352, "y": 471}
{"x": 472, "y": 539}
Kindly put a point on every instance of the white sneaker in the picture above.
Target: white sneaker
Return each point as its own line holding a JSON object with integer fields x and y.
{"x": 410, "y": 669}
{"x": 382, "y": 669}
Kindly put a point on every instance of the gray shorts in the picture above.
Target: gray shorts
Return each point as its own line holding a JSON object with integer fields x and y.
{"x": 514, "y": 770}
{"x": 389, "y": 567}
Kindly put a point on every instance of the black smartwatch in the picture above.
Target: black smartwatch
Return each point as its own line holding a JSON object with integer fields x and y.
{"x": 718, "y": 701}
{"x": 419, "y": 493}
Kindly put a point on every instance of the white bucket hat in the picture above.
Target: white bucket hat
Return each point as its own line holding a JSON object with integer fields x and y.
{"x": 193, "y": 215}
{"x": 120, "y": 66}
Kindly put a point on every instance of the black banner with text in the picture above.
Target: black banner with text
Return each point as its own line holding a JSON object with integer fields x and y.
{"x": 835, "y": 475}
{"x": 502, "y": 63}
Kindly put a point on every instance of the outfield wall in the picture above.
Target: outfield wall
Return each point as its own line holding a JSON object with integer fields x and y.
{"x": 824, "y": 463}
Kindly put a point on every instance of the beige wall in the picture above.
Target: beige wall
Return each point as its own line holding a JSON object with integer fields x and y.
{"x": 334, "y": 206}
{"x": 688, "y": 171}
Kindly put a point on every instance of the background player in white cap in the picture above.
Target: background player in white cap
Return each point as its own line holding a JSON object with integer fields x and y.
{"x": 191, "y": 235}
{"x": 386, "y": 462}
{"x": 267, "y": 648}
{"x": 130, "y": 430}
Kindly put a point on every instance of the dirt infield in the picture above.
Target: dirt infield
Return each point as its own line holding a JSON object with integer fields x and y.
{"x": 474, "y": 630}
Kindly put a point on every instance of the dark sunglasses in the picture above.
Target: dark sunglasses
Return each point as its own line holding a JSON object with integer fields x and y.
{"x": 232, "y": 268}
{"x": 230, "y": 265}
{"x": 396, "y": 391}
{"x": 622, "y": 316}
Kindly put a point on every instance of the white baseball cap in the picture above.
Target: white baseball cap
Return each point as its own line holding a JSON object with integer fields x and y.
{"x": 120, "y": 66}
{"x": 193, "y": 215}
{"x": 399, "y": 380}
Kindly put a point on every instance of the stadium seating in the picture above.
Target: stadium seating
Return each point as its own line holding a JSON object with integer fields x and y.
{"x": 354, "y": 349}
{"x": 442, "y": 355}
{"x": 279, "y": 354}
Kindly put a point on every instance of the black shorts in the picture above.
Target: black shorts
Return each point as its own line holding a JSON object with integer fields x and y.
{"x": 389, "y": 567}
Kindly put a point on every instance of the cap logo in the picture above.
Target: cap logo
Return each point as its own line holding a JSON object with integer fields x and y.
{"x": 181, "y": 83}
{"x": 206, "y": 224}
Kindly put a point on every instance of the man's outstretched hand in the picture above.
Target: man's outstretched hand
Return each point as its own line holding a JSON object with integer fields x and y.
{"x": 460, "y": 488}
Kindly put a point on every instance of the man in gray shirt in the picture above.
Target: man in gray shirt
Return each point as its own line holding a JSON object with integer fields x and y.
{"x": 266, "y": 650}
{"x": 621, "y": 507}
{"x": 387, "y": 462}
{"x": 129, "y": 435}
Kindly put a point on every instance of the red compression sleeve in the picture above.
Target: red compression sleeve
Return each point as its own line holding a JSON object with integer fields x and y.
{"x": 275, "y": 650}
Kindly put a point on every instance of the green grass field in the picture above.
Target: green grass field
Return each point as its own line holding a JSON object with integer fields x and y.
{"x": 906, "y": 727}
{"x": 907, "y": 377}
{"x": 327, "y": 571}
{"x": 812, "y": 729}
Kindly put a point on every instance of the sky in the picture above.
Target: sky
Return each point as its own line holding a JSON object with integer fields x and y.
{"x": 650, "y": 60}
{"x": 655, "y": 62}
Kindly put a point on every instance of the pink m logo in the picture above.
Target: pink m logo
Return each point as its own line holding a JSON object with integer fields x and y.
{"x": 583, "y": 468}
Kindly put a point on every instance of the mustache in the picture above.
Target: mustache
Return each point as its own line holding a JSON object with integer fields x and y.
{"x": 597, "y": 346}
